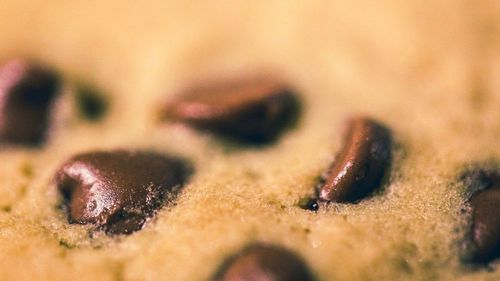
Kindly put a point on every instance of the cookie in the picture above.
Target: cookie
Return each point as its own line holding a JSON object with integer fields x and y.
{"x": 114, "y": 176}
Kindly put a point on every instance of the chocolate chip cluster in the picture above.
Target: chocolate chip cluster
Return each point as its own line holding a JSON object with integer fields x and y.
{"x": 119, "y": 191}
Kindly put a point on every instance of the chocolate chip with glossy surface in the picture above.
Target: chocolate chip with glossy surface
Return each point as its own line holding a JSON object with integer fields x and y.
{"x": 483, "y": 243}
{"x": 264, "y": 262}
{"x": 361, "y": 164}
{"x": 251, "y": 110}
{"x": 27, "y": 92}
{"x": 119, "y": 190}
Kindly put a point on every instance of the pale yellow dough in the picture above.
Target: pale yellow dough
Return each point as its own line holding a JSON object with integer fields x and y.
{"x": 430, "y": 70}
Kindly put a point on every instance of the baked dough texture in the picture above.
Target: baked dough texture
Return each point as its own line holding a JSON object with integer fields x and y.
{"x": 429, "y": 70}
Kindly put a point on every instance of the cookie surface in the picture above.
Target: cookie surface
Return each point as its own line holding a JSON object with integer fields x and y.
{"x": 428, "y": 71}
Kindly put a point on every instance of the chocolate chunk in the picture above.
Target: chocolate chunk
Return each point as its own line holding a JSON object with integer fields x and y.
{"x": 264, "y": 262}
{"x": 27, "y": 92}
{"x": 483, "y": 243}
{"x": 253, "y": 110}
{"x": 361, "y": 164}
{"x": 118, "y": 191}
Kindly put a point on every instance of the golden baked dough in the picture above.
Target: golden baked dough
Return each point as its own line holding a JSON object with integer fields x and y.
{"x": 429, "y": 70}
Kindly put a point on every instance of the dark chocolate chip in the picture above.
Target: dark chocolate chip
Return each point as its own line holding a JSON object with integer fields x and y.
{"x": 361, "y": 164}
{"x": 27, "y": 92}
{"x": 264, "y": 262}
{"x": 310, "y": 204}
{"x": 91, "y": 104}
{"x": 483, "y": 242}
{"x": 118, "y": 191}
{"x": 253, "y": 110}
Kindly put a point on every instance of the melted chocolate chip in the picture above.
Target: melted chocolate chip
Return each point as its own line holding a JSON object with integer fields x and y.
{"x": 483, "y": 243}
{"x": 247, "y": 110}
{"x": 264, "y": 262}
{"x": 27, "y": 92}
{"x": 361, "y": 164}
{"x": 118, "y": 191}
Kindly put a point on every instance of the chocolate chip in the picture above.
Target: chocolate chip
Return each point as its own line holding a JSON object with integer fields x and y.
{"x": 264, "y": 262}
{"x": 27, "y": 92}
{"x": 483, "y": 242}
{"x": 118, "y": 191}
{"x": 310, "y": 204}
{"x": 252, "y": 110}
{"x": 91, "y": 104}
{"x": 361, "y": 164}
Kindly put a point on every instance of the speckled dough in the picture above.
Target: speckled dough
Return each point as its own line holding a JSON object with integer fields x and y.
{"x": 429, "y": 70}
